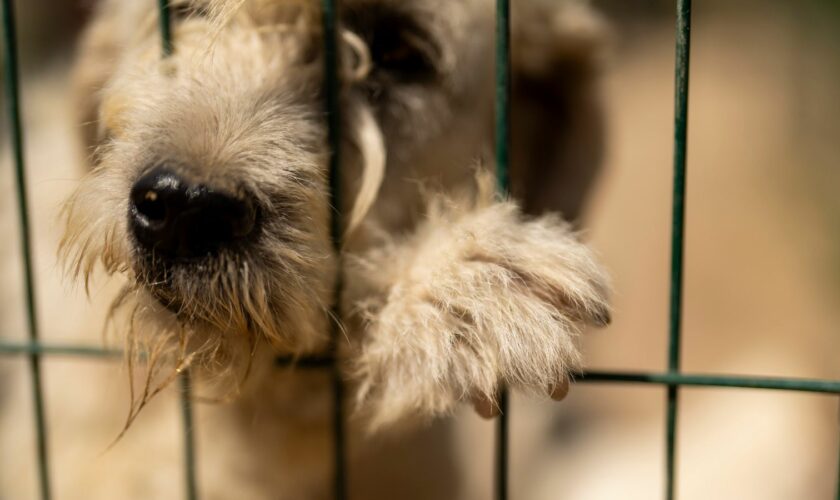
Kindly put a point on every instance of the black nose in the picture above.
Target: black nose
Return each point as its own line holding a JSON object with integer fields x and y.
{"x": 179, "y": 219}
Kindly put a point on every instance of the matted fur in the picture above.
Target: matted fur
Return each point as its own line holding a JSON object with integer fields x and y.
{"x": 449, "y": 292}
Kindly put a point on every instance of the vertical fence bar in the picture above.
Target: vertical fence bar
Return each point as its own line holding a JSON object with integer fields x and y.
{"x": 502, "y": 94}
{"x": 502, "y": 179}
{"x": 683, "y": 44}
{"x": 165, "y": 27}
{"x": 330, "y": 19}
{"x": 189, "y": 436}
{"x": 502, "y": 440}
{"x": 16, "y": 128}
{"x": 838, "y": 452}
{"x": 190, "y": 484}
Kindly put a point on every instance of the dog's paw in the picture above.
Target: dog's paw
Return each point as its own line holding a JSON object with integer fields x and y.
{"x": 476, "y": 301}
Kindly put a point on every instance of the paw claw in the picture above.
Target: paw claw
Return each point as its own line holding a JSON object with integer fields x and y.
{"x": 485, "y": 407}
{"x": 560, "y": 391}
{"x": 602, "y": 318}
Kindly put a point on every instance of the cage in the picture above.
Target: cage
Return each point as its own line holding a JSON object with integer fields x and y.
{"x": 672, "y": 380}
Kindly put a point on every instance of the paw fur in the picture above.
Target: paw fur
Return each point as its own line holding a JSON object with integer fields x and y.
{"x": 484, "y": 298}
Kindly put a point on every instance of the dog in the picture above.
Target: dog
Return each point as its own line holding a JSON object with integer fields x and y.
{"x": 209, "y": 192}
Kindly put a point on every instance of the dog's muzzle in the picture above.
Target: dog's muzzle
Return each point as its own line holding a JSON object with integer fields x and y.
{"x": 175, "y": 219}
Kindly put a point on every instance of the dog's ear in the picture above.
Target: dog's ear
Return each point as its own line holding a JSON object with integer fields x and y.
{"x": 557, "y": 123}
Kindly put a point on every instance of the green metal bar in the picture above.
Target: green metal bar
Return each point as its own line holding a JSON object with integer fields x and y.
{"x": 31, "y": 348}
{"x": 702, "y": 380}
{"x": 165, "y": 27}
{"x": 16, "y": 128}
{"x": 330, "y": 20}
{"x": 683, "y": 41}
{"x": 190, "y": 490}
{"x": 189, "y": 435}
{"x": 652, "y": 378}
{"x": 502, "y": 444}
{"x": 503, "y": 95}
{"x": 503, "y": 185}
{"x": 684, "y": 379}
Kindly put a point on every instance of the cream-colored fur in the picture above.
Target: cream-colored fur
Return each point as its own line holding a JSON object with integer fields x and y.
{"x": 449, "y": 293}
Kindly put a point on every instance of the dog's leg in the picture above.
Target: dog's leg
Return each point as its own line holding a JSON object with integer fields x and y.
{"x": 476, "y": 298}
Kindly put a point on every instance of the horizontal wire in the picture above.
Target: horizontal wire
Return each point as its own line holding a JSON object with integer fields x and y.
{"x": 737, "y": 381}
{"x": 597, "y": 376}
{"x": 13, "y": 348}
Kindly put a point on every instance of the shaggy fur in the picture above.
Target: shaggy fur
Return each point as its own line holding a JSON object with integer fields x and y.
{"x": 475, "y": 297}
{"x": 449, "y": 293}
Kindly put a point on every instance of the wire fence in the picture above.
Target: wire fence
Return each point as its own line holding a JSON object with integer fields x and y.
{"x": 672, "y": 379}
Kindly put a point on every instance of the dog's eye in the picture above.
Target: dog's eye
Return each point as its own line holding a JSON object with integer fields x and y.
{"x": 405, "y": 52}
{"x": 402, "y": 48}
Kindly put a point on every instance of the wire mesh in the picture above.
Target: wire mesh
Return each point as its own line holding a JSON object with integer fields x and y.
{"x": 672, "y": 379}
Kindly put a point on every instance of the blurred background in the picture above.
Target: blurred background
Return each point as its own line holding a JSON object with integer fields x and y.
{"x": 762, "y": 277}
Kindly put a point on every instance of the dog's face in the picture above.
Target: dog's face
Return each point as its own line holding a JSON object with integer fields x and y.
{"x": 211, "y": 188}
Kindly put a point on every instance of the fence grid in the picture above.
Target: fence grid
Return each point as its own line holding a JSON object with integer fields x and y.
{"x": 672, "y": 379}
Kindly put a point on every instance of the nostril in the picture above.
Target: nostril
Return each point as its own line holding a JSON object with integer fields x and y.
{"x": 152, "y": 206}
{"x": 228, "y": 217}
{"x": 157, "y": 196}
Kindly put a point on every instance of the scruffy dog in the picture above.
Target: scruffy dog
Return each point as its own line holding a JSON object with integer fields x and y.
{"x": 209, "y": 192}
